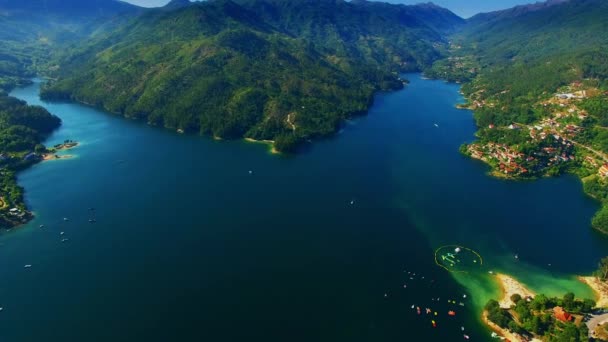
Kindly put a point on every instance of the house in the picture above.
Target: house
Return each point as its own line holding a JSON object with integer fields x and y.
{"x": 565, "y": 96}
{"x": 561, "y": 315}
{"x": 491, "y": 126}
{"x": 603, "y": 171}
{"x": 513, "y": 126}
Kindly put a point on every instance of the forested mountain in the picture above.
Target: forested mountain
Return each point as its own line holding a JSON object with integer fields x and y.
{"x": 264, "y": 69}
{"x": 32, "y": 30}
{"x": 527, "y": 33}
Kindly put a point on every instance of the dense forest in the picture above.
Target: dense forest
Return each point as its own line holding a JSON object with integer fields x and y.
{"x": 266, "y": 70}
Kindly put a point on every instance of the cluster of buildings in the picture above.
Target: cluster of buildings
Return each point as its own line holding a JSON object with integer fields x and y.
{"x": 509, "y": 161}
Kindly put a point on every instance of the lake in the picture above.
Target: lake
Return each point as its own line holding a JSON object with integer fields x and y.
{"x": 203, "y": 240}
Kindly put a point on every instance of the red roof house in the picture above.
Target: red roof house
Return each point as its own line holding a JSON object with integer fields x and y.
{"x": 561, "y": 315}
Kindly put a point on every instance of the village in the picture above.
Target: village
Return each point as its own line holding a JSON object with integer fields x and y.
{"x": 13, "y": 211}
{"x": 553, "y": 140}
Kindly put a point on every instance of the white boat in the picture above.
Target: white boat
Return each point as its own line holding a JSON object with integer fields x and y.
{"x": 27, "y": 266}
{"x": 436, "y": 125}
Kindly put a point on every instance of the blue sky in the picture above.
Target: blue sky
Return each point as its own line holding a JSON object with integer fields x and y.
{"x": 464, "y": 8}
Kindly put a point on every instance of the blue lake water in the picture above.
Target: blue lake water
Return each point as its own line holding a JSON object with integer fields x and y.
{"x": 189, "y": 246}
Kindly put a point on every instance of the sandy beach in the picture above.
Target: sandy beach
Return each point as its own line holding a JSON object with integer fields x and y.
{"x": 600, "y": 288}
{"x": 52, "y": 156}
{"x": 511, "y": 286}
{"x": 267, "y": 142}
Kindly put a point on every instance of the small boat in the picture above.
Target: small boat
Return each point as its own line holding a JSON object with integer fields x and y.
{"x": 27, "y": 266}
{"x": 64, "y": 240}
{"x": 516, "y": 256}
{"x": 92, "y": 221}
{"x": 41, "y": 226}
{"x": 466, "y": 337}
{"x": 250, "y": 172}
{"x": 451, "y": 313}
{"x": 1, "y": 308}
{"x": 61, "y": 233}
{"x": 436, "y": 125}
{"x": 65, "y": 219}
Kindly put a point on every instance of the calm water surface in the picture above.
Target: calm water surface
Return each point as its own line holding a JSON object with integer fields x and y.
{"x": 189, "y": 246}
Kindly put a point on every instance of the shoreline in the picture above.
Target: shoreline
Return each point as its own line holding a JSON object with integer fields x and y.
{"x": 498, "y": 330}
{"x": 52, "y": 156}
{"x": 599, "y": 288}
{"x": 510, "y": 286}
{"x": 273, "y": 150}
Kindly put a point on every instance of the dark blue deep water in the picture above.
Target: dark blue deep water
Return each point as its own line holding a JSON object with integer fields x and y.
{"x": 189, "y": 246}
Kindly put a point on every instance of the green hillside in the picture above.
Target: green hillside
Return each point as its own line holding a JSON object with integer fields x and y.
{"x": 514, "y": 64}
{"x": 270, "y": 70}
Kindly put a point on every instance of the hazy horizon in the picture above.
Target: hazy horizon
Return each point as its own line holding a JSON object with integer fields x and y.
{"x": 464, "y": 8}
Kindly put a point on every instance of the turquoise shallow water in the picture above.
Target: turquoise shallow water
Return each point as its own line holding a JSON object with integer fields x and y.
{"x": 188, "y": 245}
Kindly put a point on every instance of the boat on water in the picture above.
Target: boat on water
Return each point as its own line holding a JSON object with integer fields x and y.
{"x": 27, "y": 266}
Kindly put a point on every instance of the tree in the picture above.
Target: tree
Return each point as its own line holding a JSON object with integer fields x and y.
{"x": 602, "y": 270}
{"x": 515, "y": 298}
{"x": 568, "y": 301}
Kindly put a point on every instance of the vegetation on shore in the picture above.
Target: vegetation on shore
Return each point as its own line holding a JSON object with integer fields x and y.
{"x": 536, "y": 78}
{"x": 22, "y": 129}
{"x": 537, "y": 317}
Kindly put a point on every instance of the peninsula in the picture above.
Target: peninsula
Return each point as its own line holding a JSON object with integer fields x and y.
{"x": 22, "y": 129}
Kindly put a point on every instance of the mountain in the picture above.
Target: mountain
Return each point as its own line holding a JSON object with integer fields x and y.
{"x": 484, "y": 18}
{"x": 276, "y": 70}
{"x": 537, "y": 31}
{"x": 175, "y": 4}
{"x": 30, "y": 31}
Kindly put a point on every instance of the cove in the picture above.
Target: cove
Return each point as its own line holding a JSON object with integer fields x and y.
{"x": 188, "y": 245}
